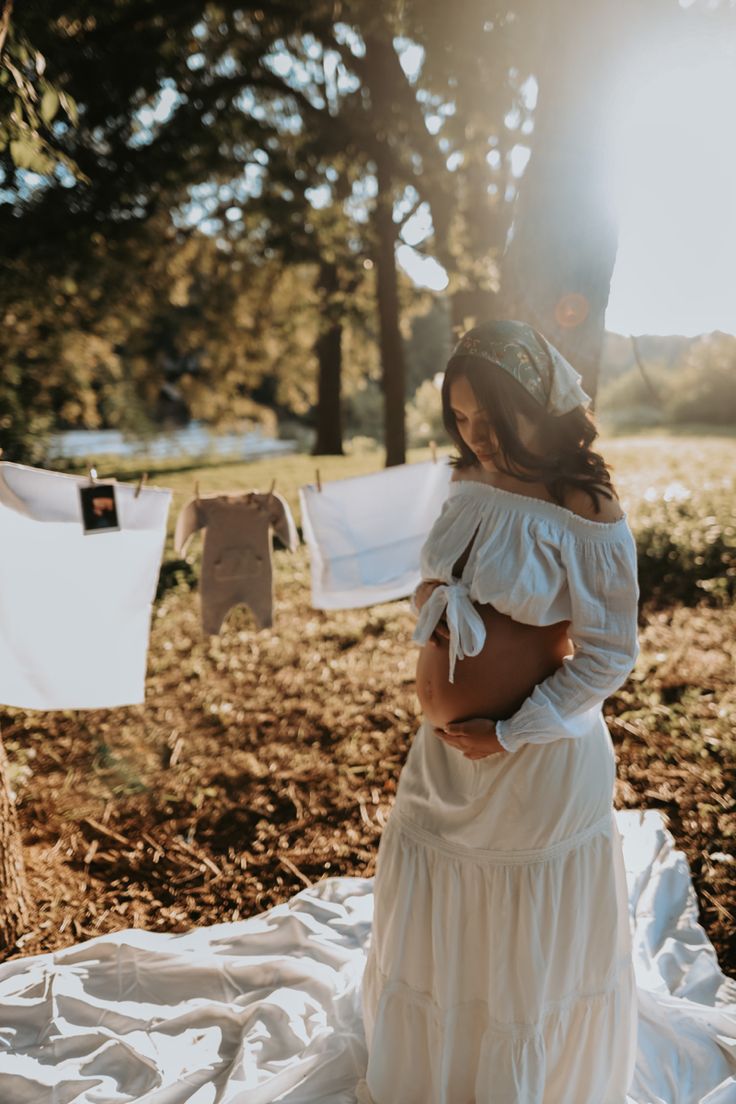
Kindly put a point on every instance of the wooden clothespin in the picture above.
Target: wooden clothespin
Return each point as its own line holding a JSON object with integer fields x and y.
{"x": 318, "y": 480}
{"x": 196, "y": 490}
{"x": 271, "y": 488}
{"x": 140, "y": 483}
{"x": 433, "y": 450}
{"x": 93, "y": 475}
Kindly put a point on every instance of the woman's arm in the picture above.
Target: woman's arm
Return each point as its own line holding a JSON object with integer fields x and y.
{"x": 604, "y": 593}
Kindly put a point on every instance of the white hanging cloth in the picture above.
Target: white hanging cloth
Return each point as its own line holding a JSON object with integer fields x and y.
{"x": 75, "y": 608}
{"x": 365, "y": 534}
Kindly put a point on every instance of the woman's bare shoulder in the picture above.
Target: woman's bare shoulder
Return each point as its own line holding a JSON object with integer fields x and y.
{"x": 460, "y": 474}
{"x": 580, "y": 502}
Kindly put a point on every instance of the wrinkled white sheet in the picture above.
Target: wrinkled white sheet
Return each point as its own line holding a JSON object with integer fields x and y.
{"x": 365, "y": 534}
{"x": 75, "y": 609}
{"x": 268, "y": 1009}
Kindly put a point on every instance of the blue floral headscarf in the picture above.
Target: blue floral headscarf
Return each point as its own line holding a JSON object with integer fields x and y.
{"x": 532, "y": 360}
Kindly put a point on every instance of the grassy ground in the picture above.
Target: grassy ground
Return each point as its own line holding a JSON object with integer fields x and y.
{"x": 264, "y": 761}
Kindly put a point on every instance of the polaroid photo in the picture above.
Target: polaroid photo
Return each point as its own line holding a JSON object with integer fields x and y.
{"x": 99, "y": 508}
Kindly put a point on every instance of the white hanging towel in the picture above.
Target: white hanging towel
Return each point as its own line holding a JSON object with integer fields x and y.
{"x": 365, "y": 534}
{"x": 75, "y": 609}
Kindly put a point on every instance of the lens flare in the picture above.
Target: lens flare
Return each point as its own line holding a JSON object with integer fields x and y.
{"x": 571, "y": 310}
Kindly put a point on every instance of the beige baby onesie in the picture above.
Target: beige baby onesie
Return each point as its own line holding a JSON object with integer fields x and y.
{"x": 236, "y": 560}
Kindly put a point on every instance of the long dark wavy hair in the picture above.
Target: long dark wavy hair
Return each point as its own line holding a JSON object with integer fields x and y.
{"x": 567, "y": 459}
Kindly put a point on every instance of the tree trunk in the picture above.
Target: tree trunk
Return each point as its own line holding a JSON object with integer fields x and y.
{"x": 557, "y": 269}
{"x": 14, "y": 911}
{"x": 387, "y": 290}
{"x": 384, "y": 78}
{"x": 329, "y": 358}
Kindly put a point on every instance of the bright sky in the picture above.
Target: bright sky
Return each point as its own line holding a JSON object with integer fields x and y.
{"x": 673, "y": 179}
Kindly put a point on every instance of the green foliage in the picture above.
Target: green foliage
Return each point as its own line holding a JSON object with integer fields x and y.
{"x": 125, "y": 317}
{"x": 191, "y": 257}
{"x": 424, "y": 415}
{"x": 704, "y": 386}
{"x": 628, "y": 399}
{"x": 429, "y": 345}
{"x": 679, "y": 497}
{"x": 700, "y": 388}
{"x": 364, "y": 411}
{"x": 29, "y": 106}
{"x": 687, "y": 557}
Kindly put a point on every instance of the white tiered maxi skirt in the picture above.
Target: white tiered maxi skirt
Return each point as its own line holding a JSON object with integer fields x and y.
{"x": 500, "y": 969}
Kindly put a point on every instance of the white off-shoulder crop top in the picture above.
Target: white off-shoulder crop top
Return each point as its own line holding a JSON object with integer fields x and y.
{"x": 539, "y": 563}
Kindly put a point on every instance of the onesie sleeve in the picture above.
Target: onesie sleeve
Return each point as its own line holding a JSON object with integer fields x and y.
{"x": 282, "y": 520}
{"x": 604, "y": 595}
{"x": 190, "y": 519}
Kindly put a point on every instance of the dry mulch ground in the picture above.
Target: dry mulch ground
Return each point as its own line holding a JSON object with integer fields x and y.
{"x": 265, "y": 761}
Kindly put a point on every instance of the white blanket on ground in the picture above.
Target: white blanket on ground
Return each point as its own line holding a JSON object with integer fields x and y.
{"x": 75, "y": 609}
{"x": 365, "y": 534}
{"x": 268, "y": 1009}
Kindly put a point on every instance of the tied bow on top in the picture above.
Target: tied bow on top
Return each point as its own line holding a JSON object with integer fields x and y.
{"x": 467, "y": 631}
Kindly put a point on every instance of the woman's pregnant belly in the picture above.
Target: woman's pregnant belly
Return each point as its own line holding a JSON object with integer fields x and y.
{"x": 513, "y": 660}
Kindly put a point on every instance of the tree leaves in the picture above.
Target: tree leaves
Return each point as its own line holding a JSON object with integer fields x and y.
{"x": 29, "y": 104}
{"x": 70, "y": 107}
{"x": 49, "y": 104}
{"x": 28, "y": 153}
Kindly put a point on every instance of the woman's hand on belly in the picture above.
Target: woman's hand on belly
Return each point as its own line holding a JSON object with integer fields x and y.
{"x": 441, "y": 632}
{"x": 475, "y": 738}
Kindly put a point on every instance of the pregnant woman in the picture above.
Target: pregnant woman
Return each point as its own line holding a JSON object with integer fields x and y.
{"x": 499, "y": 969}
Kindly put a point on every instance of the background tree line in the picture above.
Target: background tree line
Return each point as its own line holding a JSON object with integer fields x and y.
{"x": 202, "y": 203}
